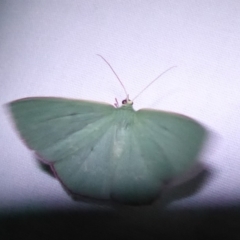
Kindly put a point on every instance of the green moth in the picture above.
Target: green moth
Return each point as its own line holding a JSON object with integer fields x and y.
{"x": 104, "y": 152}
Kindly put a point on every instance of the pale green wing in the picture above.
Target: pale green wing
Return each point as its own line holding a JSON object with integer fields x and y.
{"x": 152, "y": 148}
{"x": 51, "y": 126}
{"x": 169, "y": 142}
{"x": 64, "y": 133}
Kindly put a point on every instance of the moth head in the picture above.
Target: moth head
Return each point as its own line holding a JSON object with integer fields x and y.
{"x": 127, "y": 101}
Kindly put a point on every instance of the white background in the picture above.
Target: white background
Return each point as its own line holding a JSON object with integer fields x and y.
{"x": 48, "y": 48}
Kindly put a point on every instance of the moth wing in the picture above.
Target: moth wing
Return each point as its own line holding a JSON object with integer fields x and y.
{"x": 67, "y": 133}
{"x": 169, "y": 142}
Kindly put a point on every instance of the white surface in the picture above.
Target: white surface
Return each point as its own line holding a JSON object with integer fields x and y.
{"x": 48, "y": 48}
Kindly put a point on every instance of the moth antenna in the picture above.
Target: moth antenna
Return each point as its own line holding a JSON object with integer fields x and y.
{"x": 153, "y": 81}
{"x": 114, "y": 74}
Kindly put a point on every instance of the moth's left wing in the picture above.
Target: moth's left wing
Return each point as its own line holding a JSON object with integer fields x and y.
{"x": 169, "y": 142}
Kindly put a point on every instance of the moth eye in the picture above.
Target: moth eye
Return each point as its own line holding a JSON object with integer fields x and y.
{"x": 124, "y": 101}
